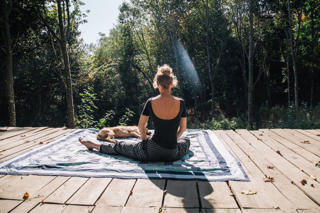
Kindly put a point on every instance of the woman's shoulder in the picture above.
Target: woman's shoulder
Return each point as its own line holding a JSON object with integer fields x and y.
{"x": 178, "y": 99}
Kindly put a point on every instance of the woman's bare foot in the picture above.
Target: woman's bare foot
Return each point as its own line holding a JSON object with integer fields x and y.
{"x": 90, "y": 145}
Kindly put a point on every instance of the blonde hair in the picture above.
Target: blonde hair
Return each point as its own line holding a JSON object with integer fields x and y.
{"x": 165, "y": 77}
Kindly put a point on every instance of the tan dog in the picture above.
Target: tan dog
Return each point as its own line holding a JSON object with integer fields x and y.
{"x": 109, "y": 133}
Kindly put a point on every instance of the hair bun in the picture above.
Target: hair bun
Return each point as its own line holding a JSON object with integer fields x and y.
{"x": 166, "y": 72}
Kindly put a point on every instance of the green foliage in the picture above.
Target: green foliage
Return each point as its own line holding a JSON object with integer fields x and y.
{"x": 106, "y": 120}
{"x": 219, "y": 123}
{"x": 84, "y": 119}
{"x": 125, "y": 119}
{"x": 287, "y": 117}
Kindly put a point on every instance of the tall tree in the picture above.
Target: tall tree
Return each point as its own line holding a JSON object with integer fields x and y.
{"x": 63, "y": 40}
{"x": 5, "y": 11}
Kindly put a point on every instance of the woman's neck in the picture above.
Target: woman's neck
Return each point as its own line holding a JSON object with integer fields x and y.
{"x": 165, "y": 93}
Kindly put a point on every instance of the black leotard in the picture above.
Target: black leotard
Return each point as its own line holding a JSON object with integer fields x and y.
{"x": 165, "y": 131}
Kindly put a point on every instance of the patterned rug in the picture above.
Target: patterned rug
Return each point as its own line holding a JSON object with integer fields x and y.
{"x": 207, "y": 159}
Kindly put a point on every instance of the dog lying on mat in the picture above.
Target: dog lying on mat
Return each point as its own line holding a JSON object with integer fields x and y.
{"x": 109, "y": 133}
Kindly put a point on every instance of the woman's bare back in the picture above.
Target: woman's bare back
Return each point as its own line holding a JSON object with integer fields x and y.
{"x": 166, "y": 107}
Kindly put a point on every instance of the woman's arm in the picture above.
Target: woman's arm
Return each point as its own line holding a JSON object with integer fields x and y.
{"x": 182, "y": 127}
{"x": 143, "y": 122}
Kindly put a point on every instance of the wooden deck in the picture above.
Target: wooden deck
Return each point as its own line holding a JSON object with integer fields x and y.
{"x": 276, "y": 153}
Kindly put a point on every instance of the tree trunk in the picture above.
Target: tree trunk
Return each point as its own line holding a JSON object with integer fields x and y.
{"x": 6, "y": 7}
{"x": 288, "y": 73}
{"x": 250, "y": 82}
{"x": 293, "y": 56}
{"x": 209, "y": 65}
{"x": 63, "y": 43}
{"x": 312, "y": 62}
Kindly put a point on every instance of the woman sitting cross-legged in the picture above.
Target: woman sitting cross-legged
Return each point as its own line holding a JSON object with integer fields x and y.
{"x": 169, "y": 118}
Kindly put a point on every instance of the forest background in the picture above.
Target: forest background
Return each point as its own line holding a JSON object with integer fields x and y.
{"x": 240, "y": 63}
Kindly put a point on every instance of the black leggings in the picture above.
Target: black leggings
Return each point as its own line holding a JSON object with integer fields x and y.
{"x": 147, "y": 150}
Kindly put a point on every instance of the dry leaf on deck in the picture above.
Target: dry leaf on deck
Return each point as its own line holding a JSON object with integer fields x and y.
{"x": 270, "y": 167}
{"x": 26, "y": 195}
{"x": 249, "y": 192}
{"x": 305, "y": 142}
{"x": 303, "y": 182}
{"x": 268, "y": 179}
{"x": 41, "y": 143}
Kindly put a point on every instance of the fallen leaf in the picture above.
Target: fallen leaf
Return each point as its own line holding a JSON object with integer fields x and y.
{"x": 304, "y": 142}
{"x": 279, "y": 152}
{"x": 42, "y": 201}
{"x": 41, "y": 143}
{"x": 249, "y": 192}
{"x": 3, "y": 150}
{"x": 259, "y": 139}
{"x": 270, "y": 167}
{"x": 268, "y": 179}
{"x": 260, "y": 134}
{"x": 303, "y": 182}
{"x": 313, "y": 177}
{"x": 318, "y": 135}
{"x": 311, "y": 185}
{"x": 26, "y": 195}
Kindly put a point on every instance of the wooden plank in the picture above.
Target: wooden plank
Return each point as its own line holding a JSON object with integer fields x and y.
{"x": 52, "y": 137}
{"x": 181, "y": 194}
{"x": 7, "y": 205}
{"x": 147, "y": 193}
{"x": 23, "y": 136}
{"x": 216, "y": 195}
{"x": 292, "y": 193}
{"x": 117, "y": 193}
{"x": 29, "y": 184}
{"x": 305, "y": 211}
{"x": 90, "y": 191}
{"x": 303, "y": 135}
{"x": 310, "y": 147}
{"x": 309, "y": 134}
{"x": 180, "y": 210}
{"x": 291, "y": 156}
{"x": 268, "y": 195}
{"x": 285, "y": 167}
{"x": 6, "y": 128}
{"x": 269, "y": 135}
{"x": 52, "y": 208}
{"x": 140, "y": 210}
{"x": 223, "y": 211}
{"x": 8, "y": 181}
{"x": 36, "y": 138}
{"x": 266, "y": 211}
{"x": 14, "y": 131}
{"x": 313, "y": 131}
{"x": 64, "y": 192}
{"x": 78, "y": 209}
{"x": 104, "y": 209}
{"x": 40, "y": 195}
